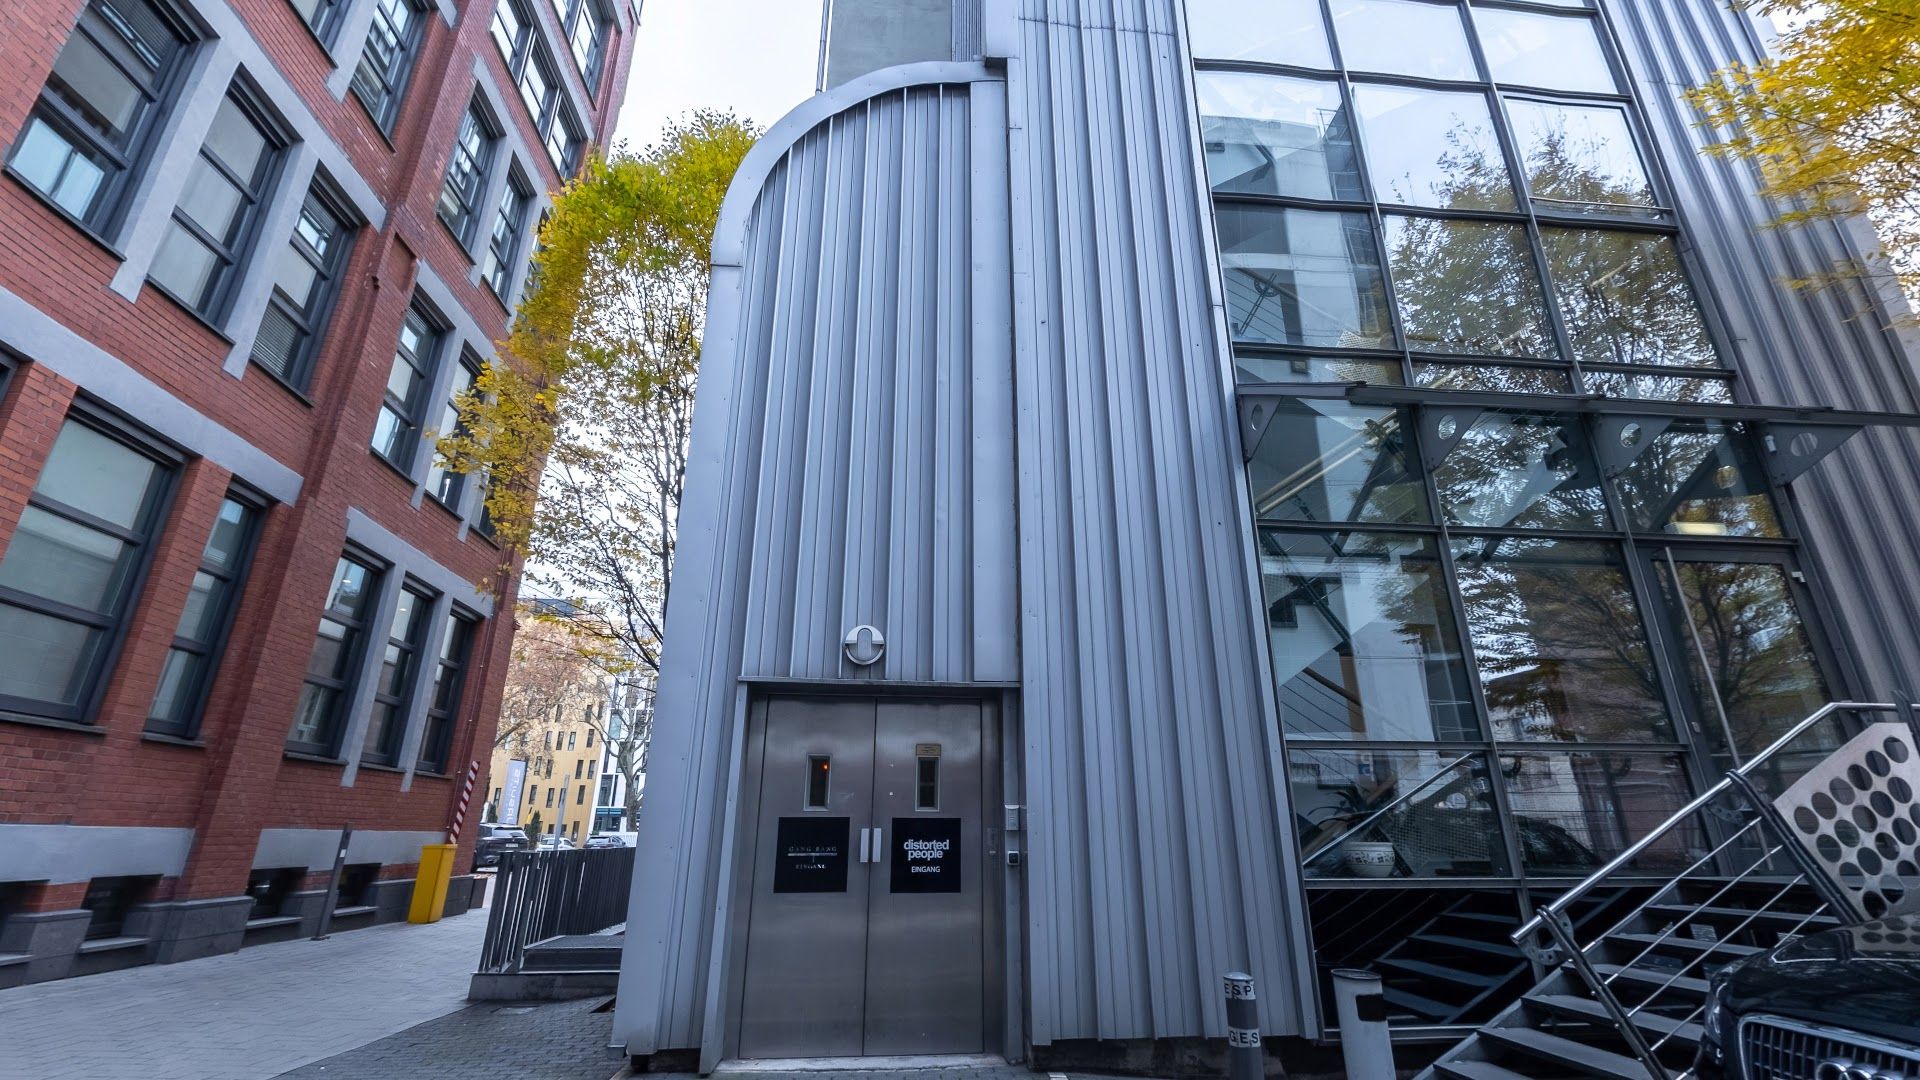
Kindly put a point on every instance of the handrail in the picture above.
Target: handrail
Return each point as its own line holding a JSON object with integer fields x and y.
{"x": 1564, "y": 900}
{"x": 1370, "y": 818}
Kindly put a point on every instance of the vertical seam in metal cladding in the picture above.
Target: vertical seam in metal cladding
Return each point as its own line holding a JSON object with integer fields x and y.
{"x": 1803, "y": 349}
{"x": 908, "y": 557}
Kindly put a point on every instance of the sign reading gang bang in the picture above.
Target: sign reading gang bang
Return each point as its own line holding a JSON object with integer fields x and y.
{"x": 926, "y": 855}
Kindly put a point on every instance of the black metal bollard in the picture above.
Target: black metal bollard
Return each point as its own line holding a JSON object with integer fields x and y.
{"x": 1245, "y": 1058}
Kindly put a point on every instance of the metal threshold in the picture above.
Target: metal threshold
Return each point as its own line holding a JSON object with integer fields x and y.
{"x": 899, "y": 1063}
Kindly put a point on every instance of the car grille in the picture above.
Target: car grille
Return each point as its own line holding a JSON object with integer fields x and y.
{"x": 1779, "y": 1050}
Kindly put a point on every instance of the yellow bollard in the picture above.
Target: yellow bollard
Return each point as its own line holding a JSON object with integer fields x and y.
{"x": 430, "y": 887}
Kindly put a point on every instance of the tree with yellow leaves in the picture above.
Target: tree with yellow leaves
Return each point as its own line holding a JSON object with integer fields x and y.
{"x": 1832, "y": 121}
{"x": 581, "y": 435}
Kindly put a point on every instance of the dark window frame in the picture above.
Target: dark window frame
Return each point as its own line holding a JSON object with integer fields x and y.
{"x": 395, "y": 82}
{"x": 325, "y": 22}
{"x": 154, "y": 511}
{"x": 213, "y": 651}
{"x": 513, "y": 55}
{"x": 504, "y": 239}
{"x": 411, "y": 414}
{"x": 106, "y": 210}
{"x": 329, "y": 268}
{"x": 480, "y": 159}
{"x": 446, "y": 486}
{"x": 443, "y": 711}
{"x": 392, "y": 739}
{"x": 331, "y": 743}
{"x": 233, "y": 256}
{"x": 573, "y": 13}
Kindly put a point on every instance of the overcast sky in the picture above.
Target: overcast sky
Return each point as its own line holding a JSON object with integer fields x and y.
{"x": 756, "y": 57}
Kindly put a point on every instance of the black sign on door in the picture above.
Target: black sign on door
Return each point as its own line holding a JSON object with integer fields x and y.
{"x": 810, "y": 855}
{"x": 926, "y": 855}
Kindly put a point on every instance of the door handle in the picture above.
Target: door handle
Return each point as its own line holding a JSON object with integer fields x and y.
{"x": 866, "y": 848}
{"x": 879, "y": 847}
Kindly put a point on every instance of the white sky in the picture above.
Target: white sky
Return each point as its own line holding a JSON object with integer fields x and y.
{"x": 756, "y": 57}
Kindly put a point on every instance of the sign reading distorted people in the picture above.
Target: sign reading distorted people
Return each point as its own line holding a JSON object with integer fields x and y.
{"x": 926, "y": 855}
{"x": 810, "y": 855}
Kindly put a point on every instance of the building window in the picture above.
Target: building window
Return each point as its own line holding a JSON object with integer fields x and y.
{"x": 571, "y": 736}
{"x": 579, "y": 769}
{"x": 187, "y": 674}
{"x": 444, "y": 484}
{"x": 587, "y": 27}
{"x": 539, "y": 86}
{"x": 393, "y": 691}
{"x": 398, "y": 426}
{"x": 72, "y": 568}
{"x": 321, "y": 16}
{"x": 504, "y": 243}
{"x": 591, "y": 766}
{"x": 467, "y": 171}
{"x": 89, "y": 127}
{"x": 449, "y": 680}
{"x": 512, "y": 32}
{"x": 589, "y": 738}
{"x": 393, "y": 45}
{"x": 214, "y": 223}
{"x": 565, "y": 140}
{"x": 305, "y": 280}
{"x": 580, "y": 799}
{"x": 334, "y": 665}
{"x": 550, "y": 792}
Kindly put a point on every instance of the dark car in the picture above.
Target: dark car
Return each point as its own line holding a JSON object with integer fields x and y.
{"x": 1837, "y": 1005}
{"x": 495, "y": 841}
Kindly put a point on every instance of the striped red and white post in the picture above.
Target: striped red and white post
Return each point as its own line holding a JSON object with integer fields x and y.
{"x": 466, "y": 796}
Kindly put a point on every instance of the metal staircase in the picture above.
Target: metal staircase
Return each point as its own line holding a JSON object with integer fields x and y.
{"x": 1819, "y": 830}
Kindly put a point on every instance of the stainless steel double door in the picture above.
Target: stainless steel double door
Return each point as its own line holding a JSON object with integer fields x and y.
{"x": 866, "y": 924}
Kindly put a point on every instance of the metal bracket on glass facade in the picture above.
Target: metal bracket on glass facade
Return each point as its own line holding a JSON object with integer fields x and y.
{"x": 1256, "y": 404}
{"x": 1792, "y": 449}
{"x": 1620, "y": 440}
{"x": 1256, "y": 412}
{"x": 1441, "y": 429}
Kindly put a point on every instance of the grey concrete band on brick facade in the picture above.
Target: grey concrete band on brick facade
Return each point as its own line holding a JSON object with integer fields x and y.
{"x": 42, "y": 339}
{"x": 314, "y": 848}
{"x": 66, "y": 854}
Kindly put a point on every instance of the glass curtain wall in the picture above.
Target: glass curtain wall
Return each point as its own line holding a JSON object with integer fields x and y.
{"x": 1496, "y": 664}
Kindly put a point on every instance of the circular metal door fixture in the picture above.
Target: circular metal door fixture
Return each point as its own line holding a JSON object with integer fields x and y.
{"x": 865, "y": 645}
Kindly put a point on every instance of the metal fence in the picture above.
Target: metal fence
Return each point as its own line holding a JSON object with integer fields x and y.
{"x": 544, "y": 894}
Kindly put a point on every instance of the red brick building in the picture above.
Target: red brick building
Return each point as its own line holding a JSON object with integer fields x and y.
{"x": 249, "y": 249}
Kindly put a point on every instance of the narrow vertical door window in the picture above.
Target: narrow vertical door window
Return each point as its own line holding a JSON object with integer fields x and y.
{"x": 188, "y": 670}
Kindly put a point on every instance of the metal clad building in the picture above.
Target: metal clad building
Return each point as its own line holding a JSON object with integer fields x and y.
{"x": 971, "y": 585}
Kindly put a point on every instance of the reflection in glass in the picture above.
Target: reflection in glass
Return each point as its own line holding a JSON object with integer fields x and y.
{"x": 1615, "y": 384}
{"x": 1331, "y": 461}
{"x": 1579, "y": 155}
{"x": 1572, "y": 812}
{"x": 1403, "y": 37}
{"x": 1522, "y": 470}
{"x": 1363, "y": 637}
{"x": 1742, "y": 640}
{"x": 1272, "y": 135}
{"x": 1316, "y": 369}
{"x": 1494, "y": 378}
{"x": 1697, "y": 478}
{"x": 1444, "y": 954}
{"x": 1557, "y": 635}
{"x": 1626, "y": 299}
{"x": 1554, "y": 52}
{"x": 1467, "y": 287}
{"x": 1302, "y": 277}
{"x": 1433, "y": 148}
{"x": 1395, "y": 813}
{"x": 1267, "y": 31}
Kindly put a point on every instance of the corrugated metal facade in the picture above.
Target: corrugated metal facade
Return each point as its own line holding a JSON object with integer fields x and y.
{"x": 1157, "y": 856}
{"x": 1835, "y": 347}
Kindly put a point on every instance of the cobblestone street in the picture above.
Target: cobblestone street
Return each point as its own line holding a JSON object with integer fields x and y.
{"x": 563, "y": 1040}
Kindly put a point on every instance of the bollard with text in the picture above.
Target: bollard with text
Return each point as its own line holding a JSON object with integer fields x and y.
{"x": 1245, "y": 1058}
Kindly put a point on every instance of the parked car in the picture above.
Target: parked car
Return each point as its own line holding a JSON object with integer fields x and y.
{"x": 555, "y": 842}
{"x": 1834, "y": 1005}
{"x": 496, "y": 840}
{"x": 611, "y": 839}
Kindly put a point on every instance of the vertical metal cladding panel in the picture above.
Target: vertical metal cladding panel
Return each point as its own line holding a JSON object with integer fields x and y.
{"x": 1155, "y": 844}
{"x": 1841, "y": 347}
{"x": 835, "y": 474}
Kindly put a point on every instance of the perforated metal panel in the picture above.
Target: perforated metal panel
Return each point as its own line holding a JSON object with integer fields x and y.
{"x": 1857, "y": 813}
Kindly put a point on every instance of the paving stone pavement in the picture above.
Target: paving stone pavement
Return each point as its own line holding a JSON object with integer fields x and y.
{"x": 248, "y": 1015}
{"x": 564, "y": 1040}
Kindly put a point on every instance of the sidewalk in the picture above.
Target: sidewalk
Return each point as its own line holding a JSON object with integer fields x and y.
{"x": 245, "y": 1016}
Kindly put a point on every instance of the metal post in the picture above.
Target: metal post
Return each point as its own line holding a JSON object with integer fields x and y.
{"x": 1246, "y": 1060}
{"x": 333, "y": 884}
{"x": 1364, "y": 1043}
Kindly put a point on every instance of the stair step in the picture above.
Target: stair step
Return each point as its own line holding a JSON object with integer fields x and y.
{"x": 1652, "y": 978}
{"x": 1495, "y": 948}
{"x": 1476, "y": 1070}
{"x": 1425, "y": 1007}
{"x": 1588, "y": 1009}
{"x": 1441, "y": 972}
{"x": 1590, "y": 1060}
{"x": 1788, "y": 917}
{"x": 1675, "y": 941}
{"x": 1483, "y": 917}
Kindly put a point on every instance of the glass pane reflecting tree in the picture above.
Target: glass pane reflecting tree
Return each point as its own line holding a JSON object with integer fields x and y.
{"x": 1696, "y": 478}
{"x": 1395, "y": 813}
{"x": 1466, "y": 287}
{"x": 1330, "y": 461}
{"x": 1521, "y": 470}
{"x": 1573, "y": 812}
{"x": 1363, "y": 637}
{"x": 1433, "y": 148}
{"x": 1579, "y": 156}
{"x": 1626, "y": 299}
{"x": 1559, "y": 641}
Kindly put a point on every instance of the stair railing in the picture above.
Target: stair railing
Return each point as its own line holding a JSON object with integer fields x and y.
{"x": 1760, "y": 825}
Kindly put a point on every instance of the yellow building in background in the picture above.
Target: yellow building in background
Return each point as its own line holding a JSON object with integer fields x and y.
{"x": 550, "y": 747}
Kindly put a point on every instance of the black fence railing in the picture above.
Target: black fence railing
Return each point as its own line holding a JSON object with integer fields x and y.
{"x": 544, "y": 894}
